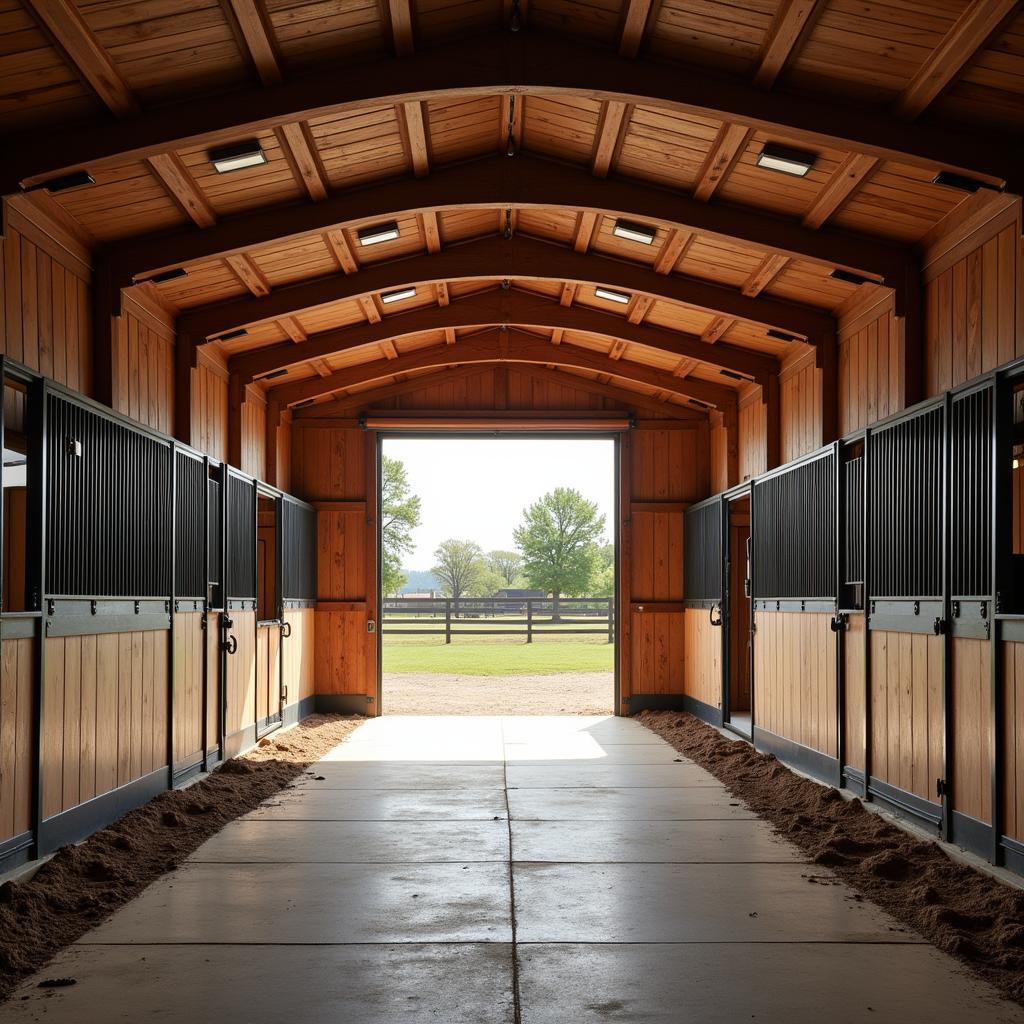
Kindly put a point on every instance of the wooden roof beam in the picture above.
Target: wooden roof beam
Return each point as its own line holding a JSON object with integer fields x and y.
{"x": 792, "y": 23}
{"x": 255, "y": 29}
{"x": 509, "y": 62}
{"x": 179, "y": 183}
{"x": 516, "y": 258}
{"x": 489, "y": 308}
{"x": 400, "y": 12}
{"x": 614, "y": 118}
{"x": 525, "y": 182}
{"x": 845, "y": 180}
{"x": 980, "y": 19}
{"x": 500, "y": 346}
{"x": 299, "y": 148}
{"x": 634, "y": 26}
{"x": 63, "y": 22}
{"x": 414, "y": 135}
{"x": 728, "y": 148}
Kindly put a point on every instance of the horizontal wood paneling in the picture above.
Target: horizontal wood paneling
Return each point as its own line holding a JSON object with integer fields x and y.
{"x": 971, "y": 710}
{"x": 871, "y": 366}
{"x": 17, "y": 742}
{"x": 104, "y": 714}
{"x": 45, "y": 299}
{"x": 795, "y": 688}
{"x": 906, "y": 711}
{"x": 702, "y": 645}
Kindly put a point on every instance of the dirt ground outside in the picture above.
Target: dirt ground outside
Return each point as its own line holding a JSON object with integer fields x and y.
{"x": 567, "y": 693}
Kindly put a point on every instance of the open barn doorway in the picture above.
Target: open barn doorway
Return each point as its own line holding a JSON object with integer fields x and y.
{"x": 737, "y": 616}
{"x": 498, "y": 573}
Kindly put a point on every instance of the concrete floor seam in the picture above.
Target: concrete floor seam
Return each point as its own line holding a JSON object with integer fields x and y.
{"x": 517, "y": 1010}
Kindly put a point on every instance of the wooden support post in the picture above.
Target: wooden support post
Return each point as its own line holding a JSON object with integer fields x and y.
{"x": 910, "y": 308}
{"x": 827, "y": 355}
{"x": 625, "y": 549}
{"x": 273, "y": 423}
{"x": 236, "y": 401}
{"x": 772, "y": 432}
{"x": 731, "y": 422}
{"x": 186, "y": 359}
{"x": 371, "y": 546}
{"x": 106, "y": 308}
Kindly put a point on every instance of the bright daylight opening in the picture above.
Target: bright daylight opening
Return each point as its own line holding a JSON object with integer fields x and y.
{"x": 498, "y": 575}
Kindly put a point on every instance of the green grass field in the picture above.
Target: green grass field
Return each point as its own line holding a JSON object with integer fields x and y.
{"x": 497, "y": 655}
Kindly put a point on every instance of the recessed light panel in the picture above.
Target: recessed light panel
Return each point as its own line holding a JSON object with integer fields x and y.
{"x": 378, "y": 233}
{"x": 786, "y": 160}
{"x": 635, "y": 232}
{"x": 781, "y": 335}
{"x": 850, "y": 277}
{"x": 237, "y": 157}
{"x": 231, "y": 335}
{"x": 612, "y": 296}
{"x": 396, "y": 296}
{"x": 962, "y": 182}
{"x": 62, "y": 183}
{"x": 168, "y": 275}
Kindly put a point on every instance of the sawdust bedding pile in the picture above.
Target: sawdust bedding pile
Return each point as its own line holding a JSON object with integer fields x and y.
{"x": 83, "y": 884}
{"x": 965, "y": 912}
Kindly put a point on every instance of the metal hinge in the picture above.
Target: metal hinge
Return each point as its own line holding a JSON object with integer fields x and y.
{"x": 940, "y": 788}
{"x": 940, "y": 625}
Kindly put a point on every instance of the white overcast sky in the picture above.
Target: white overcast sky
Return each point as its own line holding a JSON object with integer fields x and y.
{"x": 477, "y": 488}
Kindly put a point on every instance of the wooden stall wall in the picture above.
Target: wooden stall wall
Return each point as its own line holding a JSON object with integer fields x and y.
{"x": 240, "y": 726}
{"x": 871, "y": 362}
{"x": 142, "y": 362}
{"x": 853, "y": 691}
{"x": 189, "y": 688}
{"x": 795, "y": 688}
{"x": 1012, "y": 761}
{"x": 104, "y": 714}
{"x": 753, "y": 437}
{"x": 334, "y": 468}
{"x": 210, "y": 406}
{"x": 299, "y": 658}
{"x": 723, "y": 460}
{"x": 253, "y": 449}
{"x": 800, "y": 394}
{"x": 45, "y": 300}
{"x": 17, "y": 753}
{"x": 971, "y": 715}
{"x": 906, "y": 711}
{"x": 702, "y": 658}
{"x": 972, "y": 297}
{"x": 668, "y": 468}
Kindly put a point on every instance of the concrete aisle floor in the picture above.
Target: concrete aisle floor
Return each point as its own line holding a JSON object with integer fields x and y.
{"x": 495, "y": 870}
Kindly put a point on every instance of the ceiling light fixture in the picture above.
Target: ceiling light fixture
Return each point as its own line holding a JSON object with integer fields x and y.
{"x": 273, "y": 374}
{"x": 612, "y": 296}
{"x": 396, "y": 296}
{"x": 62, "y": 183}
{"x": 733, "y": 374}
{"x": 231, "y": 335}
{"x": 304, "y": 403}
{"x": 378, "y": 233}
{"x": 962, "y": 182}
{"x": 635, "y": 232}
{"x": 237, "y": 157}
{"x": 782, "y": 335}
{"x": 851, "y": 277}
{"x": 161, "y": 276}
{"x": 786, "y": 159}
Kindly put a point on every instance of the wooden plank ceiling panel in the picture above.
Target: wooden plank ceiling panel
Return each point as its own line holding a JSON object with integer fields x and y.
{"x": 598, "y": 20}
{"x": 269, "y": 184}
{"x": 564, "y": 127}
{"x": 37, "y": 86}
{"x": 871, "y": 52}
{"x": 460, "y": 130}
{"x": 460, "y": 225}
{"x": 313, "y": 34}
{"x": 330, "y": 315}
{"x": 438, "y": 21}
{"x": 557, "y": 225}
{"x": 727, "y": 36}
{"x": 124, "y": 198}
{"x": 166, "y": 49}
{"x": 665, "y": 147}
{"x": 360, "y": 146}
{"x": 297, "y": 261}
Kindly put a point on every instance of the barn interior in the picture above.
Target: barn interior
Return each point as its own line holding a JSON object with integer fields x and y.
{"x": 772, "y": 248}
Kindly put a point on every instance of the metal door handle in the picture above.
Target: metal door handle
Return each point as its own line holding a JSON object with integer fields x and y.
{"x": 230, "y": 644}
{"x": 286, "y": 630}
{"x": 711, "y": 615}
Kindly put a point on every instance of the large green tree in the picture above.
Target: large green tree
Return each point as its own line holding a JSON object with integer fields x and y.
{"x": 400, "y": 515}
{"x": 459, "y": 567}
{"x": 508, "y": 565}
{"x": 558, "y": 540}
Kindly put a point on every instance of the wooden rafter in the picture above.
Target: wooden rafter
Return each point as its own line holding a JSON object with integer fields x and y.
{"x": 431, "y": 231}
{"x": 769, "y": 269}
{"x": 497, "y": 258}
{"x": 488, "y": 308}
{"x": 716, "y": 329}
{"x": 175, "y": 177}
{"x": 728, "y": 147}
{"x": 300, "y": 149}
{"x": 676, "y": 244}
{"x": 634, "y": 25}
{"x": 415, "y": 136}
{"x": 845, "y": 180}
{"x": 978, "y": 21}
{"x": 792, "y": 21}
{"x": 506, "y": 63}
{"x": 254, "y": 25}
{"x": 614, "y": 118}
{"x": 501, "y": 347}
{"x": 249, "y": 274}
{"x": 341, "y": 250}
{"x": 522, "y": 183}
{"x": 65, "y": 24}
{"x": 400, "y": 12}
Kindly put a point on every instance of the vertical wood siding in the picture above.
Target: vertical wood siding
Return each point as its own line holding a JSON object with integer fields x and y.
{"x": 143, "y": 364}
{"x": 795, "y": 678}
{"x": 299, "y": 653}
{"x": 189, "y": 639}
{"x": 254, "y": 435}
{"x": 241, "y": 680}
{"x": 871, "y": 366}
{"x": 45, "y": 300}
{"x": 104, "y": 714}
{"x": 853, "y": 688}
{"x": 17, "y": 754}
{"x": 753, "y": 440}
{"x": 702, "y": 645}
{"x": 800, "y": 408}
{"x": 1013, "y": 740}
{"x": 210, "y": 407}
{"x": 971, "y": 711}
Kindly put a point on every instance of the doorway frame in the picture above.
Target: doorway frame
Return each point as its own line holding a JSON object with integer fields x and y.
{"x": 274, "y": 719}
{"x": 740, "y": 491}
{"x": 599, "y": 432}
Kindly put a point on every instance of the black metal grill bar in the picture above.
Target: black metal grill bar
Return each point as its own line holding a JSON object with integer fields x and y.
{"x": 702, "y": 542}
{"x": 971, "y": 506}
{"x": 853, "y": 525}
{"x": 241, "y": 537}
{"x": 190, "y": 472}
{"x": 299, "y": 551}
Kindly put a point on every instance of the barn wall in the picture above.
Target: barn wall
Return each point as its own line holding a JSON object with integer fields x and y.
{"x": 209, "y": 429}
{"x": 752, "y": 434}
{"x": 189, "y": 687}
{"x": 702, "y": 652}
{"x": 800, "y": 428}
{"x": 1012, "y": 761}
{"x": 45, "y": 297}
{"x": 17, "y": 756}
{"x": 253, "y": 457}
{"x": 143, "y": 362}
{"x": 871, "y": 363}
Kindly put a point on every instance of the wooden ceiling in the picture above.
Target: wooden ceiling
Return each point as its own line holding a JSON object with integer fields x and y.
{"x": 506, "y": 157}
